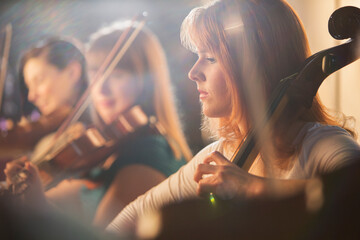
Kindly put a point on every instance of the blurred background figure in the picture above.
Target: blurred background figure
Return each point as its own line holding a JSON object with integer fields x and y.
{"x": 52, "y": 76}
{"x": 139, "y": 160}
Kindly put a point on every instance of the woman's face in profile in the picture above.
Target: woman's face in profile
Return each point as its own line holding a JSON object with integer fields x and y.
{"x": 211, "y": 85}
{"x": 49, "y": 87}
{"x": 112, "y": 96}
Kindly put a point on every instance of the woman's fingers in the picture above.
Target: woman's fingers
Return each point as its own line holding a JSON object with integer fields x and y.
{"x": 223, "y": 177}
{"x": 22, "y": 159}
{"x": 213, "y": 163}
{"x": 11, "y": 168}
{"x": 208, "y": 168}
{"x": 31, "y": 168}
{"x": 15, "y": 166}
{"x": 223, "y": 188}
{"x": 33, "y": 171}
{"x": 10, "y": 172}
{"x": 202, "y": 169}
{"x": 216, "y": 157}
{"x": 205, "y": 187}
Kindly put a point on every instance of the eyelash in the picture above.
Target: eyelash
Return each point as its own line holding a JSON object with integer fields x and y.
{"x": 211, "y": 60}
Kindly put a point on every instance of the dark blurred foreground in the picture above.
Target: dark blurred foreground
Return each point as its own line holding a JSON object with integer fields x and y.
{"x": 289, "y": 218}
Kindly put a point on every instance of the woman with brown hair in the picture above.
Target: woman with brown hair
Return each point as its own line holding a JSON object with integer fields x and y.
{"x": 52, "y": 77}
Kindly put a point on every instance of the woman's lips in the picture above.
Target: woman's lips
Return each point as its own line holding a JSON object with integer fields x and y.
{"x": 203, "y": 94}
{"x": 107, "y": 102}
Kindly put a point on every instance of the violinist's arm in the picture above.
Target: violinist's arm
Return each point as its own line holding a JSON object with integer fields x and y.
{"x": 129, "y": 183}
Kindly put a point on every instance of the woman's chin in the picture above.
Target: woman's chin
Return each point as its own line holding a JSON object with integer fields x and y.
{"x": 45, "y": 111}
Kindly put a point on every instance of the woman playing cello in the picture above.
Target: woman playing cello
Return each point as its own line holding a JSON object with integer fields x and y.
{"x": 244, "y": 48}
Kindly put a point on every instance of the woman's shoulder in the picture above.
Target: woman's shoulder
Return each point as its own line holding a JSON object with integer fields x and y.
{"x": 326, "y": 147}
{"x": 217, "y": 145}
{"x": 315, "y": 135}
{"x": 314, "y": 131}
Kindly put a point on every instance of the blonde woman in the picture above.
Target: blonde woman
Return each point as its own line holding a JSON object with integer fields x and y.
{"x": 244, "y": 48}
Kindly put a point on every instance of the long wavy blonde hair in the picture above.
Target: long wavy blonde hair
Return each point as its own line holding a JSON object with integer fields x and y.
{"x": 257, "y": 43}
{"x": 146, "y": 59}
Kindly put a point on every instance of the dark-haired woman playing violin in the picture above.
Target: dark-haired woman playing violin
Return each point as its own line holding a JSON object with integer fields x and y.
{"x": 140, "y": 161}
{"x": 52, "y": 76}
{"x": 244, "y": 48}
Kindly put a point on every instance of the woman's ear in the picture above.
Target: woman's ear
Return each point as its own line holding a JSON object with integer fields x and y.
{"x": 74, "y": 70}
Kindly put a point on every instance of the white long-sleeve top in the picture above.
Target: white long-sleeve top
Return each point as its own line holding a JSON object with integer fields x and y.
{"x": 323, "y": 149}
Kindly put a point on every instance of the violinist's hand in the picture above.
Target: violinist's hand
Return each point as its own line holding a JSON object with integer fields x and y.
{"x": 29, "y": 186}
{"x": 13, "y": 168}
{"x": 225, "y": 179}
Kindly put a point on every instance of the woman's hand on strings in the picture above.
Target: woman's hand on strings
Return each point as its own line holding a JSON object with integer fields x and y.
{"x": 24, "y": 177}
{"x": 226, "y": 180}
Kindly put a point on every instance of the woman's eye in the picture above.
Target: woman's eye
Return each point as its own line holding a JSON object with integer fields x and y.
{"x": 211, "y": 60}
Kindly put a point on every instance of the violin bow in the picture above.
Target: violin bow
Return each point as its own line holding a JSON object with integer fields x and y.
{"x": 109, "y": 64}
{"x": 103, "y": 73}
{"x": 344, "y": 23}
{"x": 4, "y": 59}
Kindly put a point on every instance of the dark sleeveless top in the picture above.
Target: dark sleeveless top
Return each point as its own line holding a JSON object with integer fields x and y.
{"x": 151, "y": 150}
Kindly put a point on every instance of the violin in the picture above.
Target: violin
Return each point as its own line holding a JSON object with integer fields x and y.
{"x": 88, "y": 147}
{"x": 26, "y": 133}
{"x": 301, "y": 87}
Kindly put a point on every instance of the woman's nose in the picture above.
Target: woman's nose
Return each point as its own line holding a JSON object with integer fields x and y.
{"x": 195, "y": 73}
